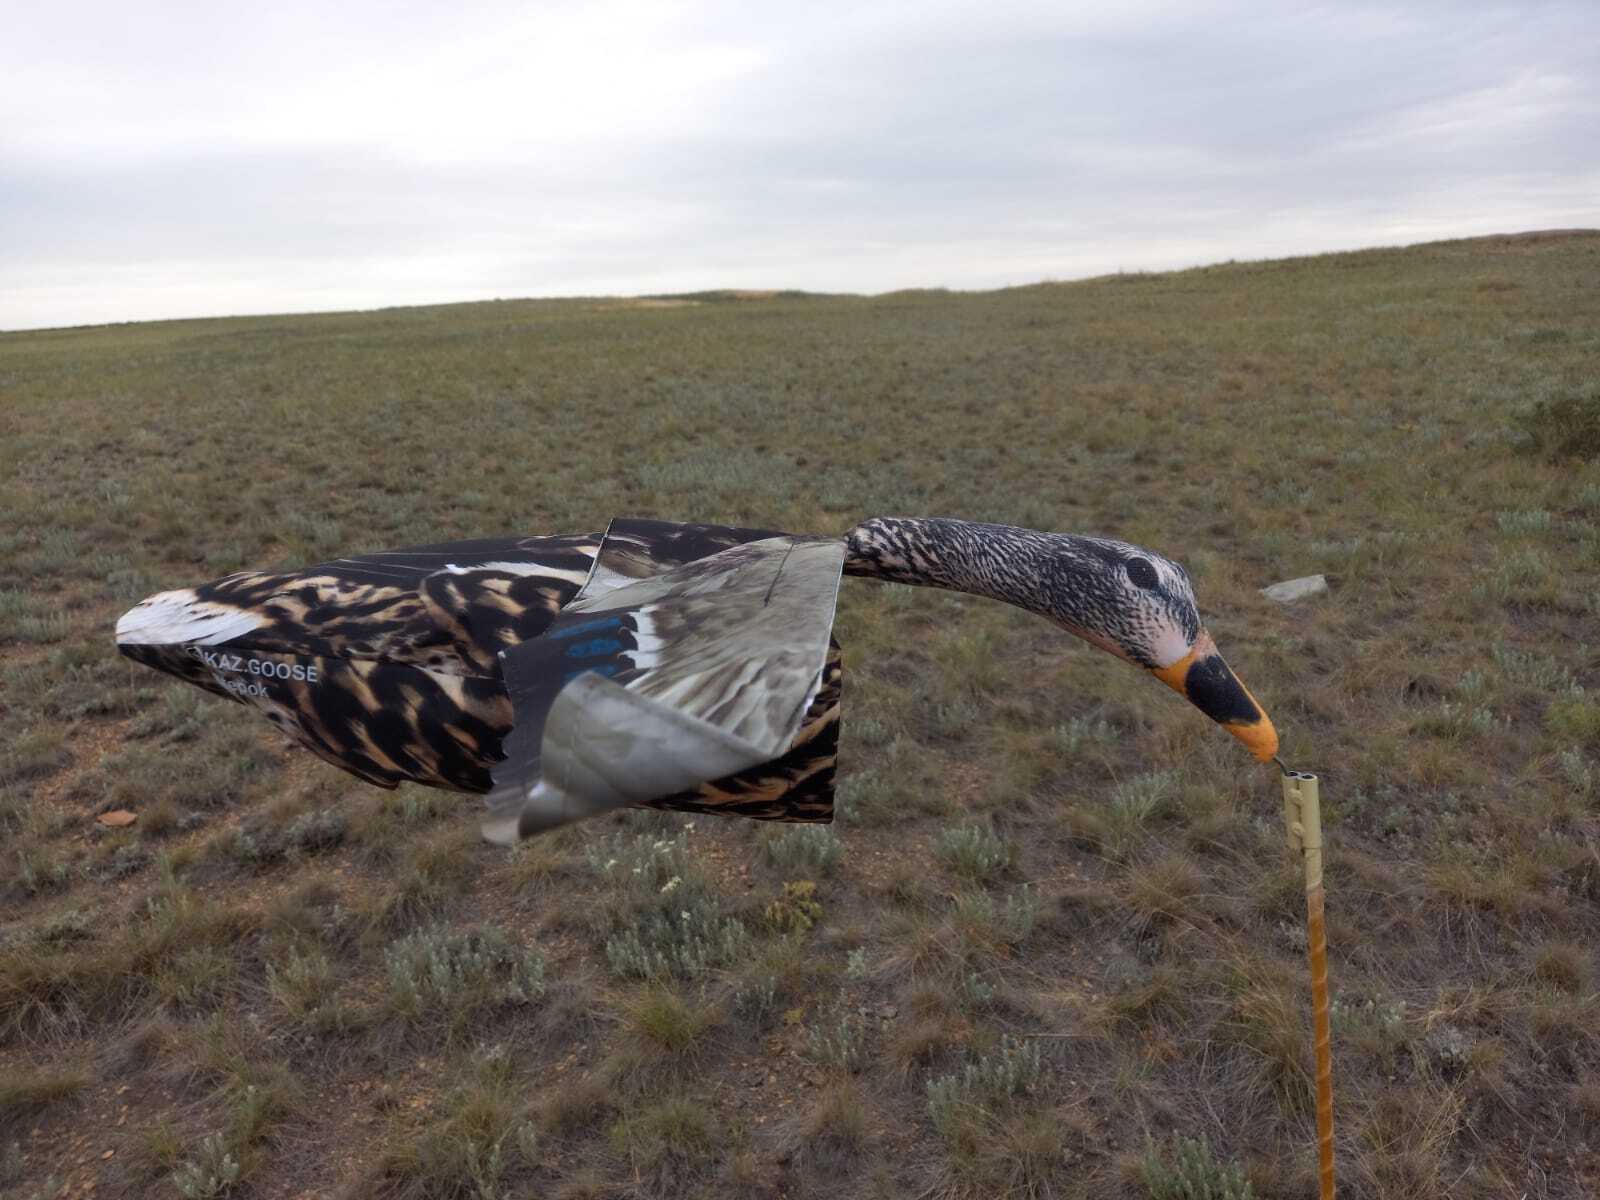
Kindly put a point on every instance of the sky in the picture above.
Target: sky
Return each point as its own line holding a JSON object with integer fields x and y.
{"x": 199, "y": 159}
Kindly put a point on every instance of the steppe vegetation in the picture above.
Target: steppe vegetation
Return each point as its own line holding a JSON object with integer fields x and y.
{"x": 1051, "y": 947}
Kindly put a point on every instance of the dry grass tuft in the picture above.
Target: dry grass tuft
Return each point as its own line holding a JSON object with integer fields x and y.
{"x": 1164, "y": 890}
{"x": 574, "y": 1105}
{"x": 474, "y": 1141}
{"x": 1564, "y": 965}
{"x": 832, "y": 1129}
{"x": 670, "y": 1142}
{"x": 25, "y": 1095}
{"x": 665, "y": 1020}
{"x": 1267, "y": 1019}
{"x": 1402, "y": 1142}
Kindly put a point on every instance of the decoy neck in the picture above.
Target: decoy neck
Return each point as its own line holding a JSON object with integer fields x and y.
{"x": 1129, "y": 601}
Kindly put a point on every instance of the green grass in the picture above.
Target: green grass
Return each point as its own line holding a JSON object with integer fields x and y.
{"x": 326, "y": 987}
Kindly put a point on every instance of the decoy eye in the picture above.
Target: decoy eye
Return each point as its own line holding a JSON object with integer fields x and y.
{"x": 1142, "y": 573}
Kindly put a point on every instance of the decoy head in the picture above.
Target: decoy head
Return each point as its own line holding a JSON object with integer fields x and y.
{"x": 1123, "y": 598}
{"x": 1140, "y": 606}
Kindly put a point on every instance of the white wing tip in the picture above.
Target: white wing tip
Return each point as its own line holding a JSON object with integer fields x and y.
{"x": 180, "y": 618}
{"x": 515, "y": 815}
{"x": 501, "y": 827}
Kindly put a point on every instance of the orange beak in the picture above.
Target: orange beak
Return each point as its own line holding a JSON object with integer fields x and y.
{"x": 1203, "y": 678}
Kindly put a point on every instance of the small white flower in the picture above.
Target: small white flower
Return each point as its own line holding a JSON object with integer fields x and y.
{"x": 684, "y": 915}
{"x": 609, "y": 865}
{"x": 670, "y": 885}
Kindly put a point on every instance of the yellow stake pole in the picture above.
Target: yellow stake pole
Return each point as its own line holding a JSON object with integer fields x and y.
{"x": 1302, "y": 815}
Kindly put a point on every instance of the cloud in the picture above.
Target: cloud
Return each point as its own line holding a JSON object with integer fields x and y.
{"x": 299, "y": 157}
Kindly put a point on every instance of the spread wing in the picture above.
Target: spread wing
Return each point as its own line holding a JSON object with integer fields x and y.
{"x": 640, "y": 690}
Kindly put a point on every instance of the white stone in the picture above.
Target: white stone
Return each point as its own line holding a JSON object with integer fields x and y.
{"x": 1291, "y": 590}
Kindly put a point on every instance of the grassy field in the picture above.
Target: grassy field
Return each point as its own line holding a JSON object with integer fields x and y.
{"x": 1052, "y": 946}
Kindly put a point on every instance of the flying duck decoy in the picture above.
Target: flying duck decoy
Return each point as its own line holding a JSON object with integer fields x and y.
{"x": 675, "y": 666}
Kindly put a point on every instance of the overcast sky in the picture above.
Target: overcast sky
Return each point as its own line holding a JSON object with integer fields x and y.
{"x": 194, "y": 159}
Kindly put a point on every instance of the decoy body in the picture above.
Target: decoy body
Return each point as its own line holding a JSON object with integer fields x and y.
{"x": 671, "y": 665}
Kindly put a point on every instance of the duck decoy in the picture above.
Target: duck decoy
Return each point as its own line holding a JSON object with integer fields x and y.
{"x": 676, "y": 666}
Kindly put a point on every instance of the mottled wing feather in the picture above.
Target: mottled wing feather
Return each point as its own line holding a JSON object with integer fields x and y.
{"x": 381, "y": 664}
{"x": 448, "y": 608}
{"x": 489, "y": 607}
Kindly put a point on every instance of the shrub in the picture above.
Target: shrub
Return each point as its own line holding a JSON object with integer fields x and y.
{"x": 1069, "y": 739}
{"x": 33, "y": 755}
{"x": 1134, "y": 804}
{"x": 433, "y": 970}
{"x": 29, "y": 618}
{"x": 1377, "y": 1024}
{"x": 177, "y": 715}
{"x": 976, "y": 853}
{"x": 68, "y": 925}
{"x": 253, "y": 845}
{"x": 836, "y": 1041}
{"x": 639, "y": 866}
{"x": 981, "y": 918}
{"x": 1191, "y": 1172}
{"x": 1526, "y": 522}
{"x": 1575, "y": 718}
{"x": 757, "y": 995}
{"x": 37, "y": 872}
{"x": 1534, "y": 672}
{"x": 687, "y": 943}
{"x": 123, "y": 861}
{"x": 984, "y": 1086}
{"x": 1581, "y": 775}
{"x": 302, "y": 984}
{"x": 663, "y": 918}
{"x": 195, "y": 976}
{"x": 796, "y": 910}
{"x": 1457, "y": 722}
{"x": 1568, "y": 427}
{"x": 211, "y": 1172}
{"x": 319, "y": 829}
{"x": 814, "y": 849}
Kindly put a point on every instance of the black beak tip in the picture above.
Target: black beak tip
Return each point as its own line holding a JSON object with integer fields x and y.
{"x": 1216, "y": 691}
